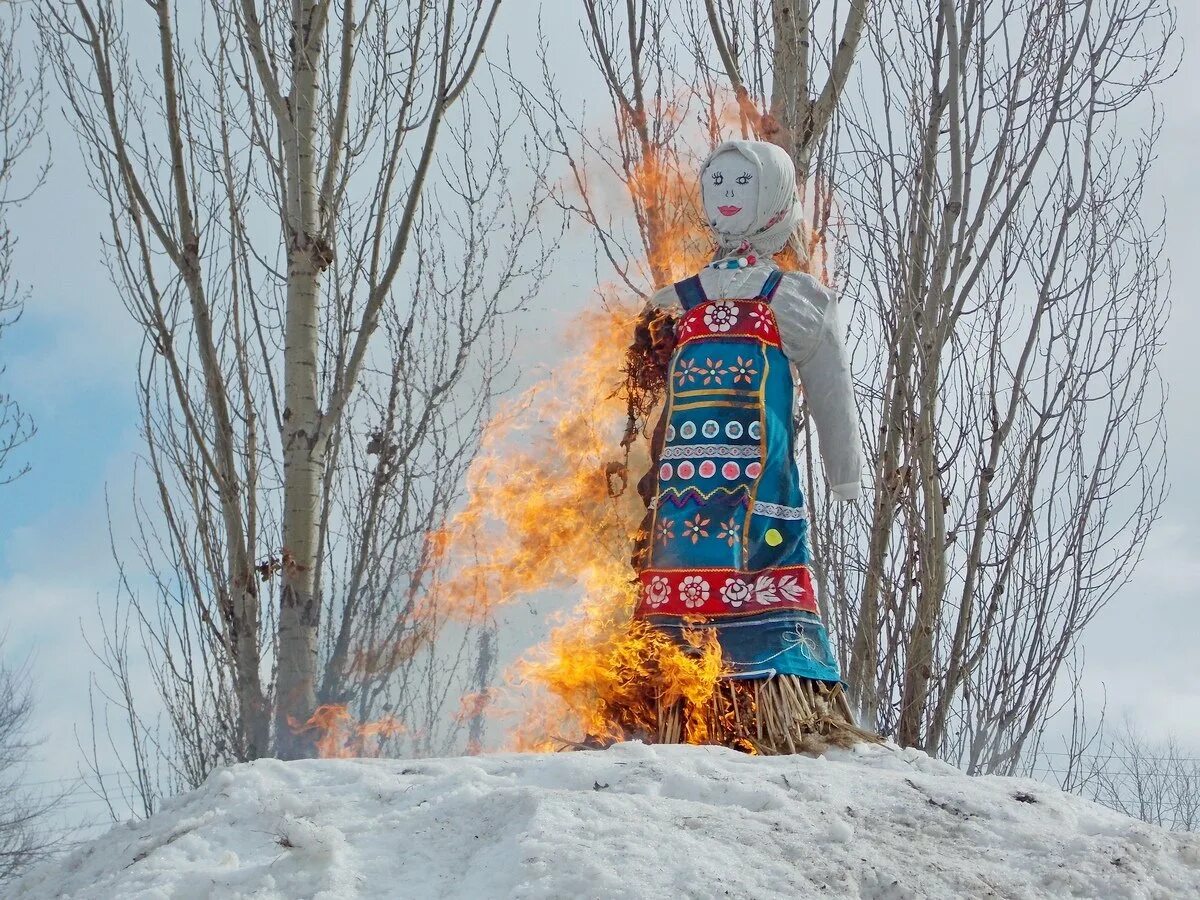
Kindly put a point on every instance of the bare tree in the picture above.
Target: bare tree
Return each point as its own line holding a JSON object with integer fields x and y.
{"x": 1155, "y": 781}
{"x": 21, "y": 103}
{"x": 1010, "y": 310}
{"x": 22, "y": 813}
{"x": 23, "y": 838}
{"x": 313, "y": 221}
{"x": 980, "y": 179}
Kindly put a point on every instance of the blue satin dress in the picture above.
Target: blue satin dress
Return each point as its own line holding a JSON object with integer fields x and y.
{"x": 728, "y": 544}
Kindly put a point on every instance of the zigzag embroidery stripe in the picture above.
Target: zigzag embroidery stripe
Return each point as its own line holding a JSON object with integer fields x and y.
{"x": 775, "y": 511}
{"x": 725, "y": 451}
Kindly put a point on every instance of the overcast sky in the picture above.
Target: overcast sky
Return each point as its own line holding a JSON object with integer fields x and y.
{"x": 72, "y": 362}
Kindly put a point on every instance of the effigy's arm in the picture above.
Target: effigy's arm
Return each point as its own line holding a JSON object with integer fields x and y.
{"x": 813, "y": 339}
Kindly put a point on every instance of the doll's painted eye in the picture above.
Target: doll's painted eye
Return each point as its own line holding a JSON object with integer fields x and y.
{"x": 718, "y": 178}
{"x": 744, "y": 178}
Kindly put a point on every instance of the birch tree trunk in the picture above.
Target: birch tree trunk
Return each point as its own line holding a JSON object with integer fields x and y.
{"x": 303, "y": 443}
{"x": 312, "y": 390}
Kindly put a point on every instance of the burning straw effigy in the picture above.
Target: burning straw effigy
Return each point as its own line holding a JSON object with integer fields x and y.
{"x": 723, "y": 553}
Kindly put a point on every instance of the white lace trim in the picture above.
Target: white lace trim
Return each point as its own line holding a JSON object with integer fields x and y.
{"x": 695, "y": 451}
{"x": 775, "y": 511}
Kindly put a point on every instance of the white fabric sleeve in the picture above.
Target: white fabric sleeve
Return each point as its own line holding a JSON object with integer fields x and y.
{"x": 664, "y": 298}
{"x": 812, "y": 337}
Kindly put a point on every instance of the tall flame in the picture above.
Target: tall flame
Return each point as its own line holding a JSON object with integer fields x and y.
{"x": 552, "y": 505}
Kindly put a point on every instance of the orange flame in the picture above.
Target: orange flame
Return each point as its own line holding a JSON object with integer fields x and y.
{"x": 338, "y": 736}
{"x": 549, "y": 505}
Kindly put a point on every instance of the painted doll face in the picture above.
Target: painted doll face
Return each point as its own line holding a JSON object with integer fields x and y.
{"x": 729, "y": 188}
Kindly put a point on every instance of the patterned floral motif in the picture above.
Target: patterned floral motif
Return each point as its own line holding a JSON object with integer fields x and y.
{"x": 666, "y": 531}
{"x": 729, "y": 592}
{"x": 743, "y": 370}
{"x": 657, "y": 591}
{"x": 729, "y": 531}
{"x": 696, "y": 528}
{"x": 685, "y": 372}
{"x": 728, "y": 318}
{"x": 735, "y": 593}
{"x": 789, "y": 589}
{"x": 760, "y": 318}
{"x": 713, "y": 372}
{"x": 694, "y": 591}
{"x": 721, "y": 315}
{"x": 764, "y": 590}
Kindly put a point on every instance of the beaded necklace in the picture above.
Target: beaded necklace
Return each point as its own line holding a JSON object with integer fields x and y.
{"x": 744, "y": 260}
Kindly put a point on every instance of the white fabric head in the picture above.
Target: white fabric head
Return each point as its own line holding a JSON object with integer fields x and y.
{"x": 761, "y": 210}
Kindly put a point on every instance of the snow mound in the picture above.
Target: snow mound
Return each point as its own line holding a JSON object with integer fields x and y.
{"x": 631, "y": 821}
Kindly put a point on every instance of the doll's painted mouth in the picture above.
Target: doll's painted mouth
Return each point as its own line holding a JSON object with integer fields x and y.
{"x": 729, "y": 210}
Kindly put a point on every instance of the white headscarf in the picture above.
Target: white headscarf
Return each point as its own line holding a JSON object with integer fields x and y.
{"x": 778, "y": 204}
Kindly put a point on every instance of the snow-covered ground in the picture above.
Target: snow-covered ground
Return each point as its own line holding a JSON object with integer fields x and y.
{"x": 631, "y": 821}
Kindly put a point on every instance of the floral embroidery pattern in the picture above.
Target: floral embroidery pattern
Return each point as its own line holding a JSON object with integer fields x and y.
{"x": 685, "y": 373}
{"x": 789, "y": 588}
{"x": 695, "y": 529}
{"x": 694, "y": 591}
{"x": 764, "y": 590}
{"x": 666, "y": 531}
{"x": 721, "y": 316}
{"x": 735, "y": 592}
{"x": 728, "y": 532}
{"x": 713, "y": 372}
{"x": 718, "y": 592}
{"x": 758, "y": 318}
{"x": 728, "y": 318}
{"x": 743, "y": 370}
{"x": 658, "y": 591}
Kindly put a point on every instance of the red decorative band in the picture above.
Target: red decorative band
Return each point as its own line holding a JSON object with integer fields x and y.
{"x": 729, "y": 319}
{"x": 725, "y": 592}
